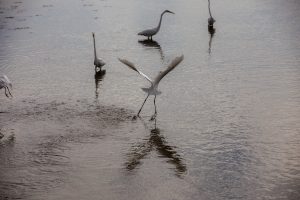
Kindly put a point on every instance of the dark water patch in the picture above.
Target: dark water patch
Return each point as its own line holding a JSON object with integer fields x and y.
{"x": 10, "y": 17}
{"x": 56, "y": 110}
{"x": 22, "y": 28}
{"x": 26, "y": 171}
{"x": 39, "y": 161}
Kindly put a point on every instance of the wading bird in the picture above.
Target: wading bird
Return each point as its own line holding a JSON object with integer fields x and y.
{"x": 210, "y": 20}
{"x": 152, "y": 90}
{"x": 98, "y": 62}
{"x": 6, "y": 84}
{"x": 150, "y": 32}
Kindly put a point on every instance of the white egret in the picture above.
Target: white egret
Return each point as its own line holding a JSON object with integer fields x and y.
{"x": 150, "y": 32}
{"x": 6, "y": 84}
{"x": 98, "y": 62}
{"x": 152, "y": 90}
{"x": 210, "y": 20}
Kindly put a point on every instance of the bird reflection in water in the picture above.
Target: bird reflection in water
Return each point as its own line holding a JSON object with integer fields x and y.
{"x": 156, "y": 141}
{"x": 211, "y": 31}
{"x": 153, "y": 44}
{"x": 98, "y": 78}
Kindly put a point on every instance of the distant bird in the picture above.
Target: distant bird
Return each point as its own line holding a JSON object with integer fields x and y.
{"x": 98, "y": 62}
{"x": 150, "y": 32}
{"x": 6, "y": 84}
{"x": 152, "y": 90}
{"x": 210, "y": 20}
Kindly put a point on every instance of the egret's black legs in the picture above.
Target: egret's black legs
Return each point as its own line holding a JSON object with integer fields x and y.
{"x": 7, "y": 90}
{"x": 142, "y": 106}
{"x": 155, "y": 112}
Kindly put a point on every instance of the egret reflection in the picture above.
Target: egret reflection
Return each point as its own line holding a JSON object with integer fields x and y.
{"x": 155, "y": 142}
{"x": 211, "y": 31}
{"x": 98, "y": 78}
{"x": 153, "y": 44}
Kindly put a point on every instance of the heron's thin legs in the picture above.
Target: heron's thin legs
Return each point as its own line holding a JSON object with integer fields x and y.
{"x": 9, "y": 92}
{"x": 142, "y": 105}
{"x": 6, "y": 92}
{"x": 155, "y": 112}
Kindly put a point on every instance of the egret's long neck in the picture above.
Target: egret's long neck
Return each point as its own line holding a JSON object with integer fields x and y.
{"x": 95, "y": 53}
{"x": 209, "y": 8}
{"x": 158, "y": 27}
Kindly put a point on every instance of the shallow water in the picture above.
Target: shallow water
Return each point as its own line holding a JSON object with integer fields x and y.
{"x": 228, "y": 119}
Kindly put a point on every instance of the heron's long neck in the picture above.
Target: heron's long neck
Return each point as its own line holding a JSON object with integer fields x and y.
{"x": 158, "y": 27}
{"x": 209, "y": 8}
{"x": 95, "y": 53}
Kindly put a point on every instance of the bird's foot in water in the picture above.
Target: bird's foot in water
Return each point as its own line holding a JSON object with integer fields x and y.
{"x": 153, "y": 117}
{"x": 135, "y": 116}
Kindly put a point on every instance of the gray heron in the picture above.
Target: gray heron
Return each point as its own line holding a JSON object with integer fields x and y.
{"x": 150, "y": 32}
{"x": 152, "y": 90}
{"x": 98, "y": 62}
{"x": 6, "y": 84}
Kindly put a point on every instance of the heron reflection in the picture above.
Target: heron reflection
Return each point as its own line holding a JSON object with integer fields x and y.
{"x": 155, "y": 141}
{"x": 153, "y": 44}
{"x": 211, "y": 31}
{"x": 98, "y": 78}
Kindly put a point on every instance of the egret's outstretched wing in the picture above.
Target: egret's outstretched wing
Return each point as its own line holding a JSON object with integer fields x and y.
{"x": 4, "y": 81}
{"x": 2, "y": 84}
{"x": 170, "y": 67}
{"x": 131, "y": 65}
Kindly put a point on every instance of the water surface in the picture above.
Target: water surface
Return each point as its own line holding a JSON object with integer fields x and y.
{"x": 228, "y": 119}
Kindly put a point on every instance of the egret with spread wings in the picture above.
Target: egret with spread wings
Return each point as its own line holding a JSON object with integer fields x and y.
{"x": 153, "y": 89}
{"x": 6, "y": 84}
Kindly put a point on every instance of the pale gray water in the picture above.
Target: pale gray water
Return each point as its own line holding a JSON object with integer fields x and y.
{"x": 228, "y": 120}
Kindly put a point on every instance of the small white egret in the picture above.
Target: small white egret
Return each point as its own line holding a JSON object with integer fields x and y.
{"x": 150, "y": 32}
{"x": 98, "y": 62}
{"x": 210, "y": 20}
{"x": 152, "y": 90}
{"x": 6, "y": 84}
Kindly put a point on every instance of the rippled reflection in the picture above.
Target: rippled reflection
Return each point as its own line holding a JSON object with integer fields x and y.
{"x": 98, "y": 78}
{"x": 154, "y": 44}
{"x": 155, "y": 141}
{"x": 211, "y": 31}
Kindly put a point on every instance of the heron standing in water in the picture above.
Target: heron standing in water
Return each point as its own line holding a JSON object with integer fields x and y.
{"x": 6, "y": 84}
{"x": 98, "y": 62}
{"x": 210, "y": 20}
{"x": 150, "y": 32}
{"x": 152, "y": 90}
